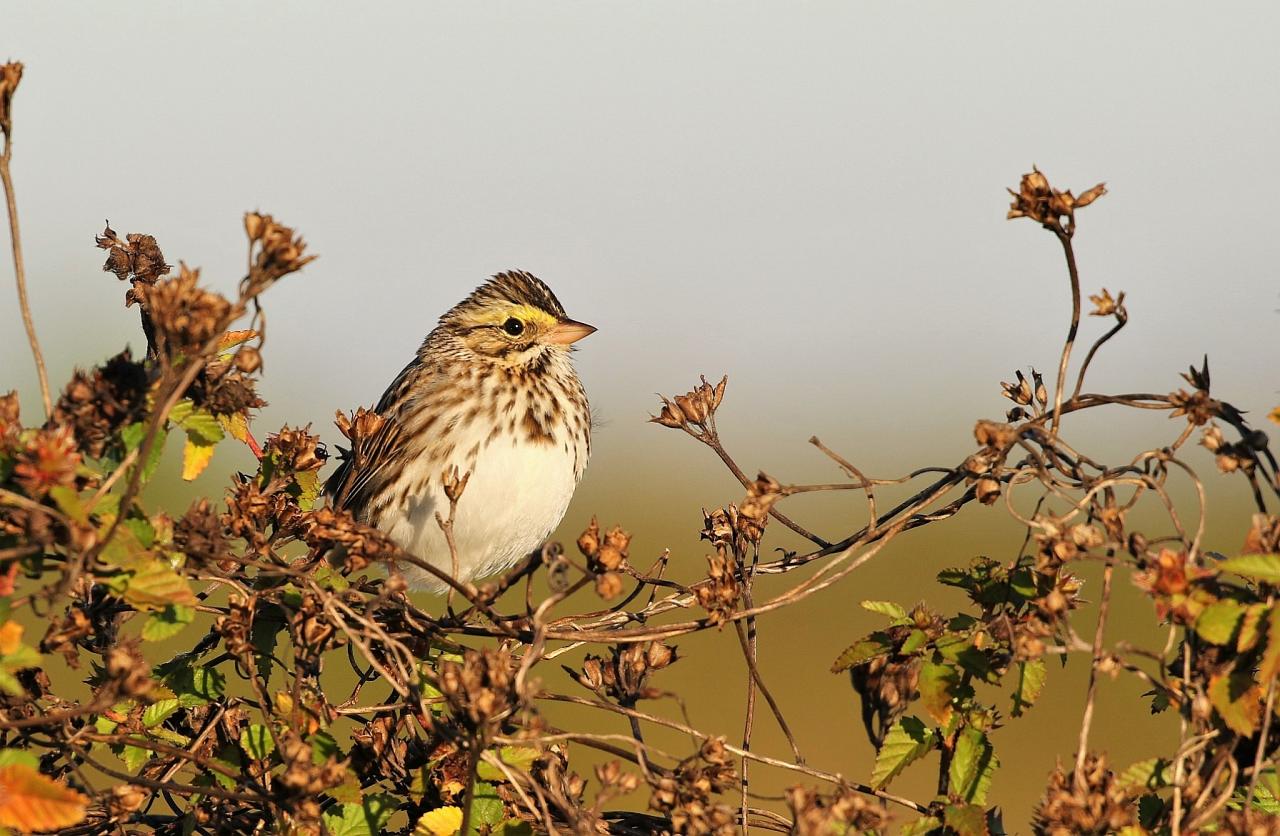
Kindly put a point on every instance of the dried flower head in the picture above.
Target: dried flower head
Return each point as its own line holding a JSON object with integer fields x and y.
{"x": 98, "y": 403}
{"x": 47, "y": 459}
{"x": 186, "y": 317}
{"x": 1037, "y": 200}
{"x": 277, "y": 252}
{"x": 1104, "y": 305}
{"x": 695, "y": 410}
{"x": 718, "y": 594}
{"x": 687, "y": 794}
{"x": 843, "y": 811}
{"x": 1101, "y": 805}
{"x": 624, "y": 676}
{"x": 10, "y": 77}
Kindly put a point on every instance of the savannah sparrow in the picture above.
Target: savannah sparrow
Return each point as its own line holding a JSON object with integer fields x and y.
{"x": 493, "y": 393}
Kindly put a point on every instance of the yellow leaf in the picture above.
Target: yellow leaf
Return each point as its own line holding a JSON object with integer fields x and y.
{"x": 156, "y": 585}
{"x": 236, "y": 426}
{"x": 1275, "y": 415}
{"x": 442, "y": 821}
{"x": 195, "y": 458}
{"x": 10, "y": 637}
{"x": 231, "y": 339}
{"x": 31, "y": 802}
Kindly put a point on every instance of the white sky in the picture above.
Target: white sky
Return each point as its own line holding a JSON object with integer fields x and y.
{"x": 807, "y": 196}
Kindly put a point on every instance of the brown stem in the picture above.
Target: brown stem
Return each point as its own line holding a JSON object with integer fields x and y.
{"x": 1065, "y": 238}
{"x": 1082, "y": 745}
{"x": 20, "y": 275}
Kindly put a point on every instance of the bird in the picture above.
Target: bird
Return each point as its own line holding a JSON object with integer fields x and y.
{"x": 492, "y": 392}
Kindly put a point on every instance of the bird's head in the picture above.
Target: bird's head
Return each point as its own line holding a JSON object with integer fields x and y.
{"x": 513, "y": 320}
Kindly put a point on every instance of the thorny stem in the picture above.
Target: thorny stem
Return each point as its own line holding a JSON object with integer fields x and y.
{"x": 20, "y": 274}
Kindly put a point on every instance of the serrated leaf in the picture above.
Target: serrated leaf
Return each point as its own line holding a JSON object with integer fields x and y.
{"x": 308, "y": 482}
{"x": 1238, "y": 700}
{"x": 202, "y": 426}
{"x": 1031, "y": 677}
{"x": 68, "y": 502}
{"x": 156, "y": 586}
{"x": 133, "y": 436}
{"x": 1150, "y": 774}
{"x": 966, "y": 819}
{"x": 235, "y": 425}
{"x": 907, "y": 741}
{"x": 1259, "y": 567}
{"x": 863, "y": 651}
{"x": 196, "y": 455}
{"x": 158, "y": 712}
{"x": 322, "y": 747}
{"x": 486, "y": 806}
{"x": 921, "y": 827}
{"x": 167, "y": 622}
{"x": 519, "y": 758}
{"x": 134, "y": 757}
{"x": 231, "y": 339}
{"x": 973, "y": 763}
{"x": 30, "y": 801}
{"x": 1250, "y": 627}
{"x": 347, "y": 820}
{"x": 887, "y": 608}
{"x": 1216, "y": 624}
{"x": 1269, "y": 665}
{"x": 442, "y": 821}
{"x": 1150, "y": 810}
{"x": 937, "y": 686}
{"x": 256, "y": 741}
{"x": 196, "y": 686}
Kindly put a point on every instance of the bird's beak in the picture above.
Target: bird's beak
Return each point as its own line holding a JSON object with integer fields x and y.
{"x": 567, "y": 331}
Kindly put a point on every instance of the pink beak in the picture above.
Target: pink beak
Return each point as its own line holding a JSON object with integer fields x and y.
{"x": 567, "y": 331}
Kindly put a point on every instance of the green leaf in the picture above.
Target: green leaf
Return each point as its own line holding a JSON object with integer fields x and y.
{"x": 167, "y": 622}
{"x": 863, "y": 651}
{"x": 966, "y": 819}
{"x": 514, "y": 827}
{"x": 1269, "y": 665}
{"x": 907, "y": 741}
{"x": 322, "y": 747}
{"x": 1150, "y": 811}
{"x": 519, "y": 758}
{"x": 888, "y": 608}
{"x": 1259, "y": 567}
{"x": 203, "y": 426}
{"x": 1237, "y": 699}
{"x": 9, "y": 757}
{"x": 960, "y": 649}
{"x": 308, "y": 482}
{"x": 132, "y": 437}
{"x": 1217, "y": 622}
{"x": 197, "y": 685}
{"x": 1151, "y": 774}
{"x": 915, "y": 640}
{"x": 256, "y": 741}
{"x": 972, "y": 765}
{"x": 159, "y": 711}
{"x": 921, "y": 827}
{"x": 938, "y": 686}
{"x": 347, "y": 820}
{"x": 1031, "y": 677}
{"x": 68, "y": 502}
{"x": 143, "y": 531}
{"x": 134, "y": 757}
{"x": 156, "y": 586}
{"x": 486, "y": 806}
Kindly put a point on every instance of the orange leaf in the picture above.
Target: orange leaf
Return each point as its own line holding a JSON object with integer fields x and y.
{"x": 10, "y": 637}
{"x": 231, "y": 339}
{"x": 31, "y": 802}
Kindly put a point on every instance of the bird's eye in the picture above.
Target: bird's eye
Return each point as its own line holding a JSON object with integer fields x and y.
{"x": 513, "y": 326}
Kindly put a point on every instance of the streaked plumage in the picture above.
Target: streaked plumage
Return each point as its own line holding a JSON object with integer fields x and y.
{"x": 496, "y": 399}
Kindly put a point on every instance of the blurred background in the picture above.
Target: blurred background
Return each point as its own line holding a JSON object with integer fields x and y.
{"x": 807, "y": 197}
